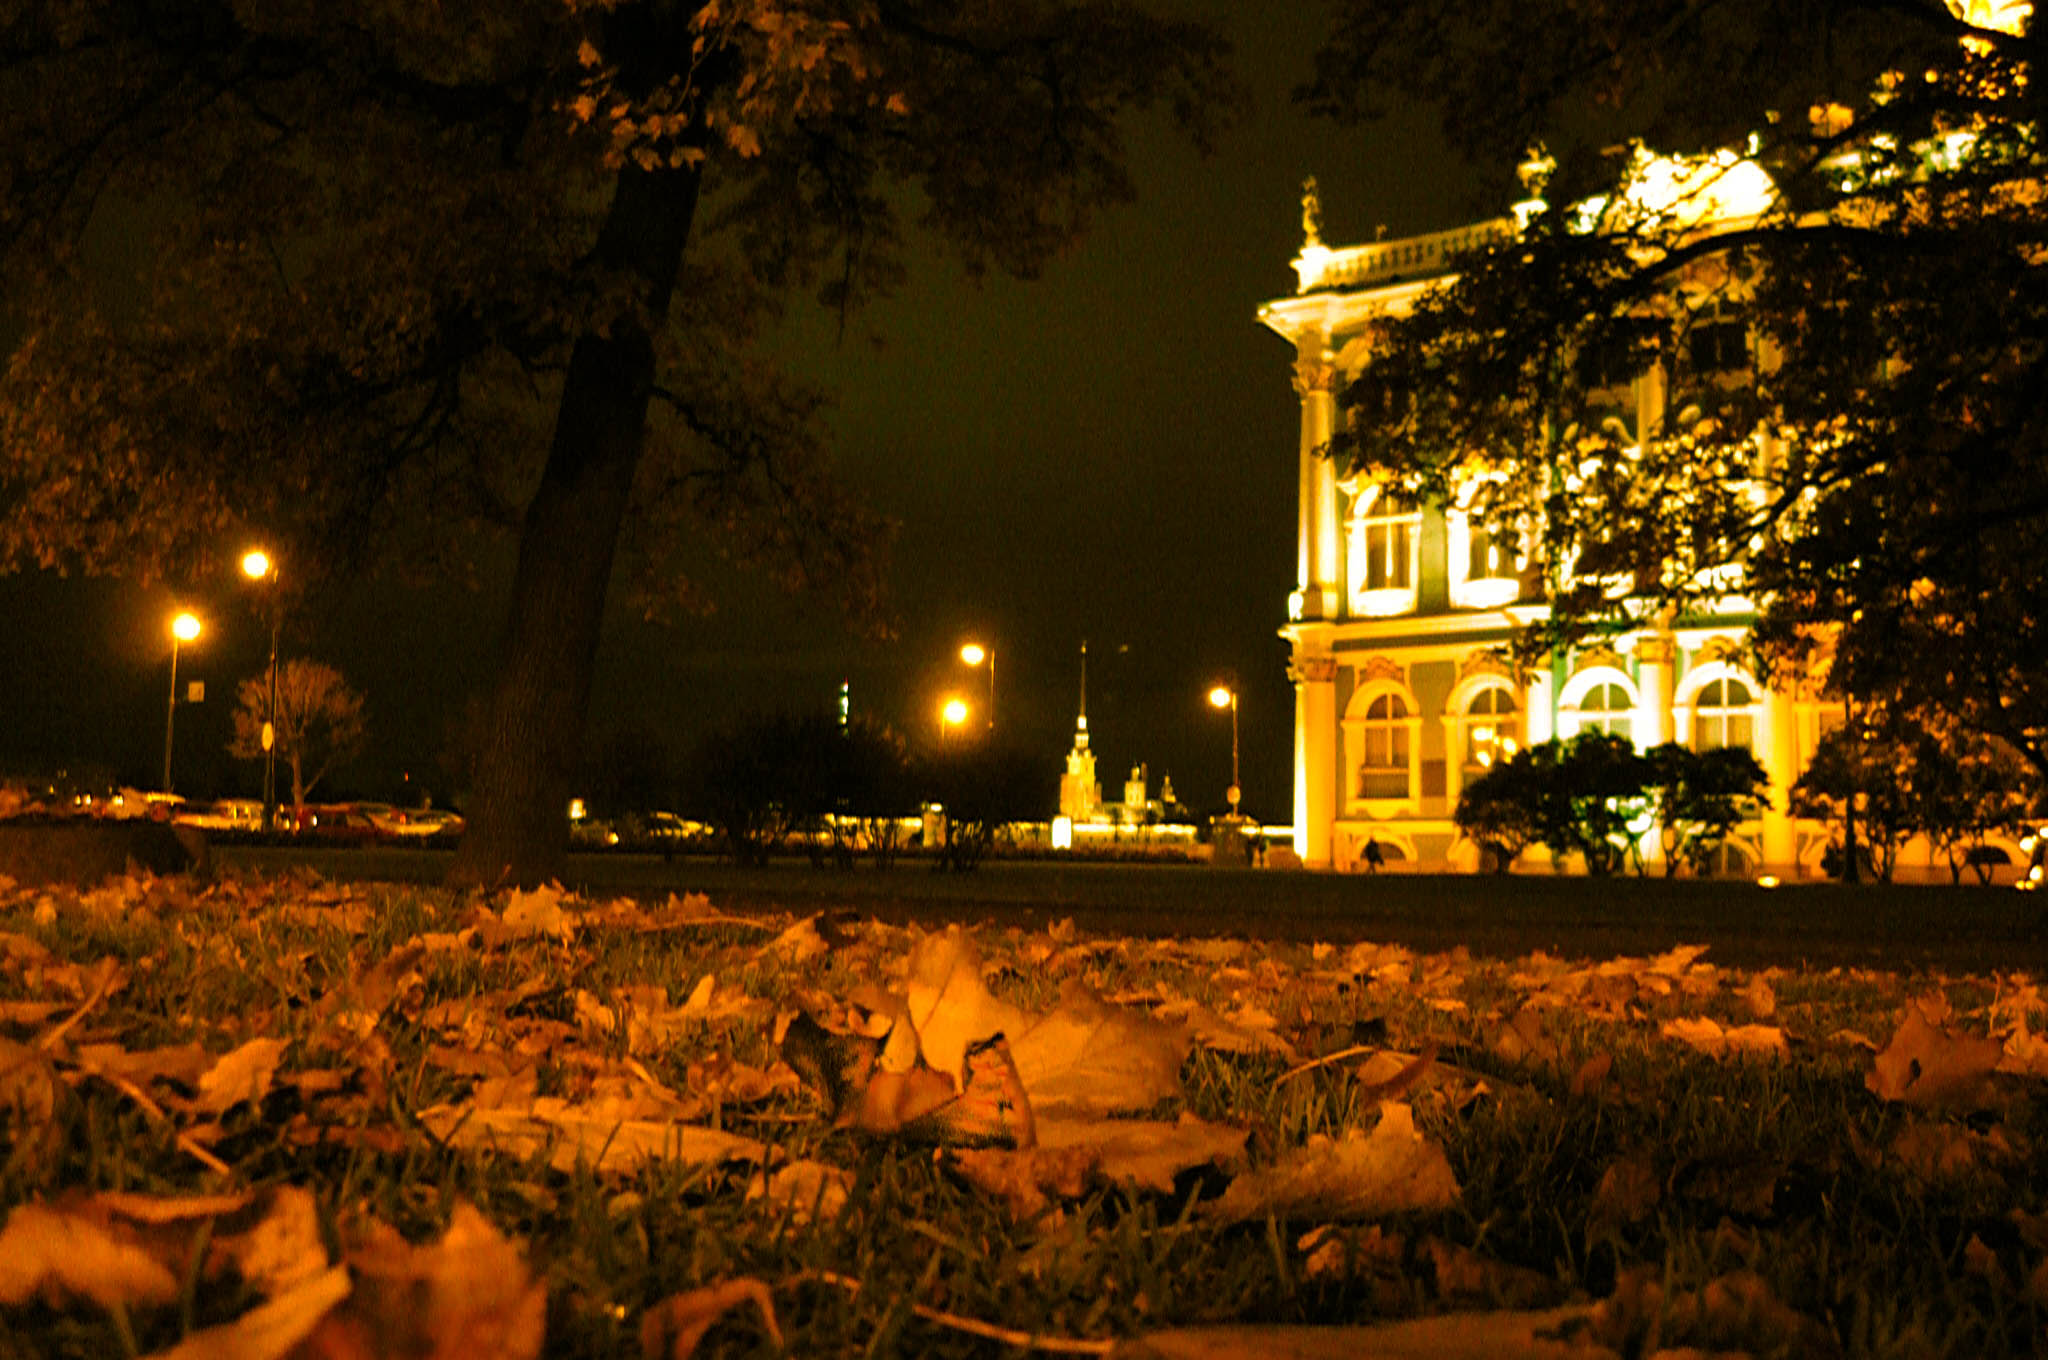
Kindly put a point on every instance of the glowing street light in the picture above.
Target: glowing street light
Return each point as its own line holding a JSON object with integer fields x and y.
{"x": 1225, "y": 696}
{"x": 259, "y": 566}
{"x": 951, "y": 714}
{"x": 185, "y": 627}
{"x": 974, "y": 654}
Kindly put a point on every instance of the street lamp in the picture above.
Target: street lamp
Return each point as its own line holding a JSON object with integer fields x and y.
{"x": 974, "y": 654}
{"x": 951, "y": 714}
{"x": 258, "y": 565}
{"x": 1225, "y": 696}
{"x": 184, "y": 628}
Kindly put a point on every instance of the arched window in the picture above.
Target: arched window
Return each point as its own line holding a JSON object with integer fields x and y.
{"x": 1390, "y": 524}
{"x": 1383, "y": 770}
{"x": 1493, "y": 728}
{"x": 1606, "y": 708}
{"x": 1721, "y": 715}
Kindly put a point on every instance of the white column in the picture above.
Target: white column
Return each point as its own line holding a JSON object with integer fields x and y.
{"x": 1319, "y": 563}
{"x": 1541, "y": 720}
{"x": 1655, "y": 653}
{"x": 1315, "y": 757}
{"x": 1778, "y": 750}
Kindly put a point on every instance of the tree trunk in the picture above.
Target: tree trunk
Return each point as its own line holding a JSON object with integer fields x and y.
{"x": 517, "y": 828}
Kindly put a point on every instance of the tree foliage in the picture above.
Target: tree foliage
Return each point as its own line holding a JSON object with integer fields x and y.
{"x": 357, "y": 275}
{"x": 1699, "y": 797}
{"x": 318, "y": 723}
{"x": 1877, "y": 475}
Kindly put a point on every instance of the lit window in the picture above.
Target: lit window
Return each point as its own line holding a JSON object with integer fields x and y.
{"x": 1383, "y": 772}
{"x": 1390, "y": 533}
{"x": 1493, "y": 728}
{"x": 1721, "y": 715}
{"x": 1606, "y": 708}
{"x": 1491, "y": 556}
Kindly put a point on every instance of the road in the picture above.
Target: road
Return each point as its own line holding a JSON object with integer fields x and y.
{"x": 1966, "y": 929}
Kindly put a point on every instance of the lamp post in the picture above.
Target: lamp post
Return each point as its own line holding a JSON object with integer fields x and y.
{"x": 258, "y": 565}
{"x": 1225, "y": 696}
{"x": 951, "y": 714}
{"x": 184, "y": 628}
{"x": 974, "y": 654}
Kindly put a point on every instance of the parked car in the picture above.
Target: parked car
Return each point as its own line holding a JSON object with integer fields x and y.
{"x": 338, "y": 824}
{"x": 229, "y": 814}
{"x": 410, "y": 823}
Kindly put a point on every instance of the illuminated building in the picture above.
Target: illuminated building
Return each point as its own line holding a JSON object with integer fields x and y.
{"x": 1401, "y": 611}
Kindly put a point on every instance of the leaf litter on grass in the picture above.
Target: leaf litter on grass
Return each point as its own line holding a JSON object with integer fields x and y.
{"x": 1369, "y": 1098}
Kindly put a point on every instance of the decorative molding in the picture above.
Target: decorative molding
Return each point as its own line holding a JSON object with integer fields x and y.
{"x": 1488, "y": 661}
{"x": 1381, "y": 667}
{"x": 1312, "y": 670}
{"x": 1728, "y": 651}
{"x": 1598, "y": 657}
{"x": 1314, "y": 376}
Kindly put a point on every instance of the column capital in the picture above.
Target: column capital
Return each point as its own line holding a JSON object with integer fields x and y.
{"x": 1312, "y": 670}
{"x": 1656, "y": 649}
{"x": 1314, "y": 375}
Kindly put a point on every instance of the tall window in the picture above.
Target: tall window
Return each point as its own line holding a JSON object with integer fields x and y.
{"x": 1606, "y": 708}
{"x": 1492, "y": 556}
{"x": 1383, "y": 771}
{"x": 1390, "y": 528}
{"x": 1493, "y": 728}
{"x": 1721, "y": 715}
{"x": 1718, "y": 346}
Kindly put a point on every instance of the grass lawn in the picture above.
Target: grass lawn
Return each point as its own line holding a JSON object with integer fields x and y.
{"x": 283, "y": 1114}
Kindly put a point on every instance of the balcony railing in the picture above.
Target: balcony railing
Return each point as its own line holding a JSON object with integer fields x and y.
{"x": 1386, "y": 261}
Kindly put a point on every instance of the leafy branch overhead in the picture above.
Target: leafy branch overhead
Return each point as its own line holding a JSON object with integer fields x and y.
{"x": 1805, "y": 245}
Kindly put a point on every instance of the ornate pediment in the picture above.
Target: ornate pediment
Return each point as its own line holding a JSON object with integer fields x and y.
{"x": 1488, "y": 661}
{"x": 1377, "y": 668}
{"x": 1725, "y": 650}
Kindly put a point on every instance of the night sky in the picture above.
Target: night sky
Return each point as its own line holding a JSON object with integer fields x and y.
{"x": 1106, "y": 453}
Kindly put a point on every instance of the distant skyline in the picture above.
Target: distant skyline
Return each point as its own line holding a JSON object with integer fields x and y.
{"x": 1105, "y": 454}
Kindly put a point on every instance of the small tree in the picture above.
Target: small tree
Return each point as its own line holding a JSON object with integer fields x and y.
{"x": 1592, "y": 788}
{"x": 1963, "y": 787}
{"x": 1867, "y": 771}
{"x": 1699, "y": 797}
{"x": 984, "y": 789}
{"x": 1499, "y": 811}
{"x": 756, "y": 780}
{"x": 875, "y": 789}
{"x": 318, "y": 724}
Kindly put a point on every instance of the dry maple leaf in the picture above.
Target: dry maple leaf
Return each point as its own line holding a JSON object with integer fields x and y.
{"x": 1928, "y": 1066}
{"x": 574, "y": 1135}
{"x": 1394, "y": 1168}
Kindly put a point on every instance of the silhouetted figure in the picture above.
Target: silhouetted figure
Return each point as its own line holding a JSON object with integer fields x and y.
{"x": 1373, "y": 858}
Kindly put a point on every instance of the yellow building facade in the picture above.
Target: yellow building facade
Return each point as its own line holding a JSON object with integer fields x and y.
{"x": 1401, "y": 613}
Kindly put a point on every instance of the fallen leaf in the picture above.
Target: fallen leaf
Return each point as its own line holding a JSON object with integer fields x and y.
{"x": 1089, "y": 1057}
{"x": 1628, "y": 1192}
{"x": 1710, "y": 1037}
{"x": 538, "y": 912}
{"x": 468, "y": 1295}
{"x": 1394, "y": 1168}
{"x": 243, "y": 1074}
{"x": 270, "y": 1330}
{"x": 1928, "y": 1066}
{"x": 805, "y": 1190}
{"x": 672, "y": 1328}
{"x": 1464, "y": 1276}
{"x": 74, "y": 1249}
{"x": 573, "y": 1136}
{"x": 1591, "y": 1078}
